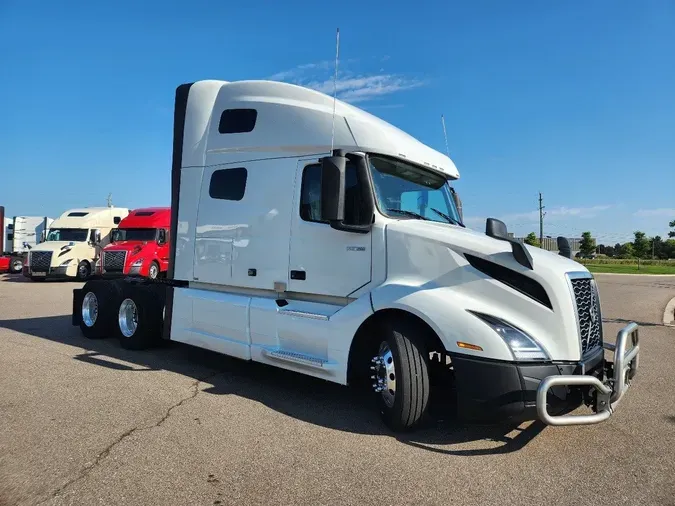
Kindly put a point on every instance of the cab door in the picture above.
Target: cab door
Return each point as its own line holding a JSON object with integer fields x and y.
{"x": 325, "y": 261}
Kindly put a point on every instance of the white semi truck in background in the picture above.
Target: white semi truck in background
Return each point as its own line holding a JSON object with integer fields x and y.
{"x": 73, "y": 243}
{"x": 19, "y": 235}
{"x": 310, "y": 235}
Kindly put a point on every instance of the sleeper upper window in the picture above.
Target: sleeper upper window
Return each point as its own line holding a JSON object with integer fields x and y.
{"x": 237, "y": 121}
{"x": 228, "y": 184}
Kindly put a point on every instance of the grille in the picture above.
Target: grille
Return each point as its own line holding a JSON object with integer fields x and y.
{"x": 588, "y": 311}
{"x": 40, "y": 261}
{"x": 113, "y": 261}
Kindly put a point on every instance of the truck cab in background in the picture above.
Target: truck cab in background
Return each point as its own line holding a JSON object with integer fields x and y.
{"x": 19, "y": 235}
{"x": 73, "y": 243}
{"x": 139, "y": 246}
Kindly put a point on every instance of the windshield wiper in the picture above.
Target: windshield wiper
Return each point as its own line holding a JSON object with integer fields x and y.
{"x": 407, "y": 213}
{"x": 449, "y": 218}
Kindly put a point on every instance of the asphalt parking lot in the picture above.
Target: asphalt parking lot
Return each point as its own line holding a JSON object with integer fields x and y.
{"x": 86, "y": 422}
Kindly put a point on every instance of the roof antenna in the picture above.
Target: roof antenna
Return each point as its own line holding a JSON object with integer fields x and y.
{"x": 109, "y": 202}
{"x": 445, "y": 135}
{"x": 337, "y": 55}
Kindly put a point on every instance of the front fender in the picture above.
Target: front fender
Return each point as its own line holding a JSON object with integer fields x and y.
{"x": 444, "y": 311}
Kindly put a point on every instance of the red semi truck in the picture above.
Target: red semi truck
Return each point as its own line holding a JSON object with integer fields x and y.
{"x": 140, "y": 246}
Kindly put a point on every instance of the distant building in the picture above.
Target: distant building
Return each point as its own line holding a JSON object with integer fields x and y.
{"x": 551, "y": 243}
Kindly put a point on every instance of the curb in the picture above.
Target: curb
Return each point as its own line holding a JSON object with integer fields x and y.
{"x": 632, "y": 274}
{"x": 669, "y": 314}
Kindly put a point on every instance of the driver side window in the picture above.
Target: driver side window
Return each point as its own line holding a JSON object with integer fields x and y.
{"x": 310, "y": 196}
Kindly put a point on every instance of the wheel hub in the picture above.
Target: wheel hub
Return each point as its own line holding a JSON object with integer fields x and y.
{"x": 89, "y": 309}
{"x": 384, "y": 377}
{"x": 128, "y": 318}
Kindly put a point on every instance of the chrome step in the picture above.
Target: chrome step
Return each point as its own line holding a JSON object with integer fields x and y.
{"x": 298, "y": 358}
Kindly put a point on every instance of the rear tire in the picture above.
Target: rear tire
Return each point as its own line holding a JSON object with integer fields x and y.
{"x": 139, "y": 316}
{"x": 402, "y": 371}
{"x": 100, "y": 301}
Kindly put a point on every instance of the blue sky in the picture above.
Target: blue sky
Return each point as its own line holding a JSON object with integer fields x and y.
{"x": 573, "y": 99}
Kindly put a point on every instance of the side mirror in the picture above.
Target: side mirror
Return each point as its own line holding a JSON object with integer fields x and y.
{"x": 161, "y": 236}
{"x": 564, "y": 248}
{"x": 496, "y": 228}
{"x": 334, "y": 192}
{"x": 458, "y": 204}
{"x": 333, "y": 185}
{"x": 95, "y": 236}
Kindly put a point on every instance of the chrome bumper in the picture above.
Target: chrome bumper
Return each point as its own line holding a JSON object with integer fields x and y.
{"x": 609, "y": 392}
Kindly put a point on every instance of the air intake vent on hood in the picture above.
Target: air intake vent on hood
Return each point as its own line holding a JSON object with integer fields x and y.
{"x": 526, "y": 286}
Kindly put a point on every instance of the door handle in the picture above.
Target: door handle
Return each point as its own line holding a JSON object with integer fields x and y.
{"x": 301, "y": 275}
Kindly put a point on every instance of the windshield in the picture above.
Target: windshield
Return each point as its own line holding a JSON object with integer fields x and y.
{"x": 68, "y": 234}
{"x": 403, "y": 190}
{"x": 134, "y": 234}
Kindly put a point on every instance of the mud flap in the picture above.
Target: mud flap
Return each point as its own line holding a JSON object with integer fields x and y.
{"x": 77, "y": 305}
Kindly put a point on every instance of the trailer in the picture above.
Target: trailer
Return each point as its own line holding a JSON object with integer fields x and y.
{"x": 312, "y": 236}
{"x": 19, "y": 235}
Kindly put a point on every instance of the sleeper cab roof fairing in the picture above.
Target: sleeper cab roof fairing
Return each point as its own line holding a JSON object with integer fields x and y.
{"x": 295, "y": 120}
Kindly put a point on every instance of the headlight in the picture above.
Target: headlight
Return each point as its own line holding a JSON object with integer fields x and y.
{"x": 523, "y": 346}
{"x": 137, "y": 263}
{"x": 66, "y": 262}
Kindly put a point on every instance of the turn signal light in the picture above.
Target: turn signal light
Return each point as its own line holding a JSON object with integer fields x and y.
{"x": 469, "y": 346}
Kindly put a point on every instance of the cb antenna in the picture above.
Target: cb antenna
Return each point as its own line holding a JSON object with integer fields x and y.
{"x": 445, "y": 135}
{"x": 337, "y": 55}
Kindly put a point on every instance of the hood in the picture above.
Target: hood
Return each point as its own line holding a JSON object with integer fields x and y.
{"x": 127, "y": 245}
{"x": 62, "y": 250}
{"x": 464, "y": 240}
{"x": 57, "y": 245}
{"x": 434, "y": 254}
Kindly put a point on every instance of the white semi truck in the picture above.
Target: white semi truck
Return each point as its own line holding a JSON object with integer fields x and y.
{"x": 344, "y": 257}
{"x": 73, "y": 243}
{"x": 19, "y": 235}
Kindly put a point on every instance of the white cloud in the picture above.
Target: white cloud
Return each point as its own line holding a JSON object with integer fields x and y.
{"x": 662, "y": 212}
{"x": 557, "y": 212}
{"x": 300, "y": 70}
{"x": 532, "y": 217}
{"x": 350, "y": 87}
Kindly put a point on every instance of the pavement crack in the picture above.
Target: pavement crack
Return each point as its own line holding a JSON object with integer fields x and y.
{"x": 87, "y": 469}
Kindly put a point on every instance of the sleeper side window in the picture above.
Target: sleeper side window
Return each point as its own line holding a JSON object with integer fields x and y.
{"x": 228, "y": 184}
{"x": 310, "y": 196}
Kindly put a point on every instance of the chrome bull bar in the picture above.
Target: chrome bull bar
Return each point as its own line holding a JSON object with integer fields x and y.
{"x": 625, "y": 364}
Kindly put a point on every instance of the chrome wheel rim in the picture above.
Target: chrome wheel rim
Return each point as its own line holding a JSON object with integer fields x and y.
{"x": 18, "y": 265}
{"x": 128, "y": 318}
{"x": 153, "y": 271}
{"x": 89, "y": 309}
{"x": 384, "y": 379}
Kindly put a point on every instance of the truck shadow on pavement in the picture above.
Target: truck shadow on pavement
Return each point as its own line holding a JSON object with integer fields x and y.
{"x": 301, "y": 397}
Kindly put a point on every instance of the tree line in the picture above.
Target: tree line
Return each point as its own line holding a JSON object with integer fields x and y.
{"x": 640, "y": 247}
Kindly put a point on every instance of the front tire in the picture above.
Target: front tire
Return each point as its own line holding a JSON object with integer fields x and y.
{"x": 83, "y": 271}
{"x": 15, "y": 265}
{"x": 401, "y": 376}
{"x": 153, "y": 270}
